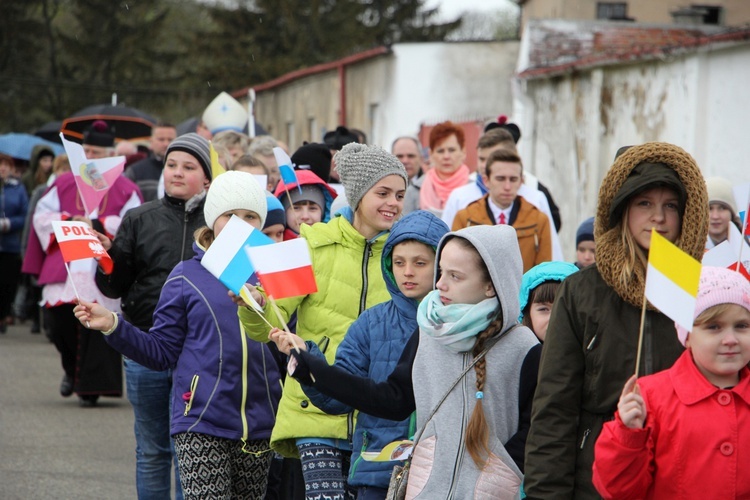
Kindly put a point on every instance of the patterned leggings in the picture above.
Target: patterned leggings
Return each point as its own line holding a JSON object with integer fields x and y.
{"x": 325, "y": 469}
{"x": 218, "y": 468}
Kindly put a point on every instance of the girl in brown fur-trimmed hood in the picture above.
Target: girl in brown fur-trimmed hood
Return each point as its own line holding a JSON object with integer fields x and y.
{"x": 592, "y": 337}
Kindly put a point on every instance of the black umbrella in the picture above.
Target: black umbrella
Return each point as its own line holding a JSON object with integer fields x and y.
{"x": 127, "y": 123}
{"x": 50, "y": 131}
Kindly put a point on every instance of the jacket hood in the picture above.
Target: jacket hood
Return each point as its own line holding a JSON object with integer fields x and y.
{"x": 305, "y": 178}
{"x": 541, "y": 273}
{"x": 498, "y": 247}
{"x": 421, "y": 226}
{"x": 36, "y": 153}
{"x": 610, "y": 252}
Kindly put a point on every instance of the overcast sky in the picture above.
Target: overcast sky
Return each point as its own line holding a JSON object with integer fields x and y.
{"x": 450, "y": 9}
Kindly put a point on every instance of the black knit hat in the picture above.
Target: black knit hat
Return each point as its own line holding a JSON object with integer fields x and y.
{"x": 643, "y": 177}
{"x": 315, "y": 157}
{"x": 195, "y": 145}
{"x": 339, "y": 138}
{"x": 502, "y": 122}
{"x": 99, "y": 134}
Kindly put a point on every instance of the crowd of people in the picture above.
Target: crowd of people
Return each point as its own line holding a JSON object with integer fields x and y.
{"x": 444, "y": 314}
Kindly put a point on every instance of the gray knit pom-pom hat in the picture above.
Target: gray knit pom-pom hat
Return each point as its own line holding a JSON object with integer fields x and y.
{"x": 361, "y": 166}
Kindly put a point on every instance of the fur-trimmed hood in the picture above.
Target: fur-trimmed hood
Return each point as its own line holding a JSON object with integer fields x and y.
{"x": 610, "y": 252}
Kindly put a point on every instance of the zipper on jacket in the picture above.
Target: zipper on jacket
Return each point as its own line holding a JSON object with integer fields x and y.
{"x": 462, "y": 442}
{"x": 353, "y": 468}
{"x": 592, "y": 343}
{"x": 365, "y": 261}
{"x": 184, "y": 235}
{"x": 243, "y": 400}
{"x": 585, "y": 437}
{"x": 188, "y": 396}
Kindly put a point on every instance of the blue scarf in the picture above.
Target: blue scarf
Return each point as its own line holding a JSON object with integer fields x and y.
{"x": 480, "y": 184}
{"x": 455, "y": 326}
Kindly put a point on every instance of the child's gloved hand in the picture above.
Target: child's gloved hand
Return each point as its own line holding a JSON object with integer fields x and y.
{"x": 631, "y": 408}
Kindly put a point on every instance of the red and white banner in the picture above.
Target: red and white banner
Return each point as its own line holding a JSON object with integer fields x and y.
{"x": 284, "y": 269}
{"x": 78, "y": 241}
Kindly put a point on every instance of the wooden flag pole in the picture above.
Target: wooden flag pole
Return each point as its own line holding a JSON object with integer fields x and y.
{"x": 742, "y": 237}
{"x": 248, "y": 299}
{"x": 75, "y": 290}
{"x": 291, "y": 205}
{"x": 286, "y": 327}
{"x": 640, "y": 335}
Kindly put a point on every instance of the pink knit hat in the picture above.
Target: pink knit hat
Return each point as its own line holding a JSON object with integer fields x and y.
{"x": 718, "y": 286}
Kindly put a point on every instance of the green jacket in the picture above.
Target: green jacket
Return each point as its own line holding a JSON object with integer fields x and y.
{"x": 349, "y": 278}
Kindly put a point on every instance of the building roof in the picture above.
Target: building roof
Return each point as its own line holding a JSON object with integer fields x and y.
{"x": 557, "y": 47}
{"x": 314, "y": 70}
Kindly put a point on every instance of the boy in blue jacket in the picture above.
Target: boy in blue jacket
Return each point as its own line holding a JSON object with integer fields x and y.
{"x": 374, "y": 342}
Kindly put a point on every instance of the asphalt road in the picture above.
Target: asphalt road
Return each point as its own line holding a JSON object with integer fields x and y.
{"x": 49, "y": 446}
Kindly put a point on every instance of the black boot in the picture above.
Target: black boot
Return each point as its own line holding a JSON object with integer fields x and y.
{"x": 66, "y": 386}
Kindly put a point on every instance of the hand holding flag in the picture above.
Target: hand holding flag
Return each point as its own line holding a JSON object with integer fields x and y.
{"x": 78, "y": 241}
{"x": 93, "y": 178}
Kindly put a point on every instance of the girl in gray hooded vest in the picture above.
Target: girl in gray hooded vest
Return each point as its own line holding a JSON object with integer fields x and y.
{"x": 473, "y": 445}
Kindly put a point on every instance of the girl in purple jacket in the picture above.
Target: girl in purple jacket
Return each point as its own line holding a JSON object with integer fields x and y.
{"x": 226, "y": 388}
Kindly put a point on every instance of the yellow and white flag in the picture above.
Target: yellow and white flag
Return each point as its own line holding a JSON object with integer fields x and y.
{"x": 672, "y": 280}
{"x": 216, "y": 167}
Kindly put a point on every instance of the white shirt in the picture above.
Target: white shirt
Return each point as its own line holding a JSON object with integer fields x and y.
{"x": 496, "y": 211}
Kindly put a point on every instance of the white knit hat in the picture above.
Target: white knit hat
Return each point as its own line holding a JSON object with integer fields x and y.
{"x": 231, "y": 191}
{"x": 720, "y": 190}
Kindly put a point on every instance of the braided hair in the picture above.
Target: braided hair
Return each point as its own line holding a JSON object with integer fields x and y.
{"x": 477, "y": 432}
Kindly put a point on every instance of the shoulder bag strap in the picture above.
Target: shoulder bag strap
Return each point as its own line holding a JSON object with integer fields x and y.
{"x": 476, "y": 359}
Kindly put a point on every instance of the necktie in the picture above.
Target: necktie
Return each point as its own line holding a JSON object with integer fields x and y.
{"x": 501, "y": 218}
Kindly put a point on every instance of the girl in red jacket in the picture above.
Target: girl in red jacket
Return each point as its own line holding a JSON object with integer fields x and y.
{"x": 685, "y": 432}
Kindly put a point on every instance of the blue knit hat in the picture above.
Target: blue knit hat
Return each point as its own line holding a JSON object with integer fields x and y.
{"x": 541, "y": 273}
{"x": 276, "y": 213}
{"x": 585, "y": 231}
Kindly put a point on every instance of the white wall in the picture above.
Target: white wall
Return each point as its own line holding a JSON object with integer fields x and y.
{"x": 432, "y": 82}
{"x": 573, "y": 125}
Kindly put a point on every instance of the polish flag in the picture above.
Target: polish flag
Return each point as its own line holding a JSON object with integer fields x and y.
{"x": 78, "y": 241}
{"x": 226, "y": 259}
{"x": 286, "y": 169}
{"x": 725, "y": 255}
{"x": 284, "y": 269}
{"x": 93, "y": 177}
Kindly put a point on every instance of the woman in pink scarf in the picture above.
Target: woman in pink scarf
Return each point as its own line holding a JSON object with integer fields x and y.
{"x": 447, "y": 170}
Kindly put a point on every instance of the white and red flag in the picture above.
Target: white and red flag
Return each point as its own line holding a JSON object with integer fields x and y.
{"x": 78, "y": 241}
{"x": 284, "y": 269}
{"x": 93, "y": 177}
